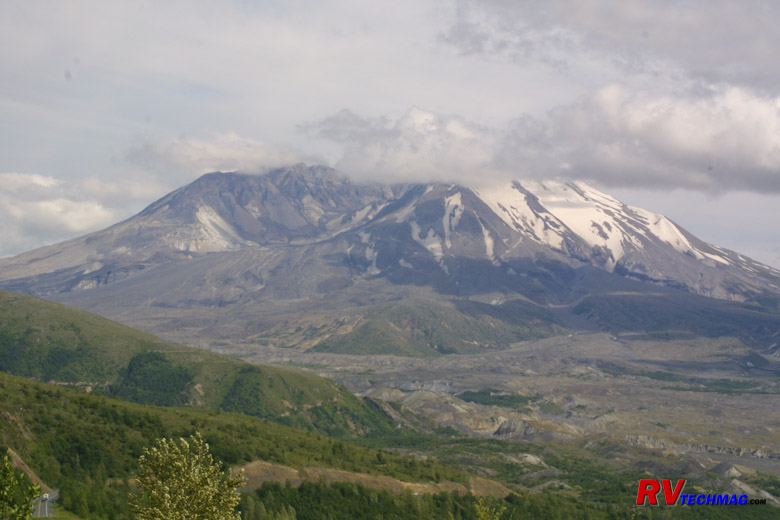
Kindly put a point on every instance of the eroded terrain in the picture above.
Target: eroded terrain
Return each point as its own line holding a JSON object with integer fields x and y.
{"x": 697, "y": 408}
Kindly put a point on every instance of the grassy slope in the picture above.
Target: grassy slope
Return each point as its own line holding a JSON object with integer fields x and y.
{"x": 429, "y": 328}
{"x": 51, "y": 342}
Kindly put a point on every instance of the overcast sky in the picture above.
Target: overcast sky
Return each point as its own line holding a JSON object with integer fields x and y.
{"x": 670, "y": 105}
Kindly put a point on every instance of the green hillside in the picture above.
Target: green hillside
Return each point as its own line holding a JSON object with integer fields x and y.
{"x": 54, "y": 343}
{"x": 86, "y": 444}
{"x": 429, "y": 328}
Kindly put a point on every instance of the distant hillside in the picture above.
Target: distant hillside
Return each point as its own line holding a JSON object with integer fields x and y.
{"x": 86, "y": 444}
{"x": 418, "y": 327}
{"x": 51, "y": 342}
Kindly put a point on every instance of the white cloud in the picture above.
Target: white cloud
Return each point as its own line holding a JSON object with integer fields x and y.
{"x": 60, "y": 215}
{"x": 37, "y": 209}
{"x": 21, "y": 182}
{"x": 720, "y": 140}
{"x": 418, "y": 146}
{"x": 724, "y": 140}
{"x": 133, "y": 189}
{"x": 190, "y": 157}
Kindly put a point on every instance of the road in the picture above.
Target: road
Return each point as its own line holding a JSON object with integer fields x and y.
{"x": 43, "y": 506}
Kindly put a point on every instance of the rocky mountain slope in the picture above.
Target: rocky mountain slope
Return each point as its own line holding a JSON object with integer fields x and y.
{"x": 304, "y": 258}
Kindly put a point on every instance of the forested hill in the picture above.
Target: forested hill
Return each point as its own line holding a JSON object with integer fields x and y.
{"x": 87, "y": 444}
{"x": 54, "y": 343}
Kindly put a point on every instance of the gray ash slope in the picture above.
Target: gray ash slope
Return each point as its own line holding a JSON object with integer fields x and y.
{"x": 301, "y": 257}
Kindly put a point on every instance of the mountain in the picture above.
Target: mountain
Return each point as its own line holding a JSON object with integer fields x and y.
{"x": 301, "y": 257}
{"x": 50, "y": 342}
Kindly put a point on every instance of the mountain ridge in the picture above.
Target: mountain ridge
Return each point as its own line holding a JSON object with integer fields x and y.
{"x": 232, "y": 255}
{"x": 304, "y": 205}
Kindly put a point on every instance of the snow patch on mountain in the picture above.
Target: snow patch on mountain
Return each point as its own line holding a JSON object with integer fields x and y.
{"x": 552, "y": 211}
{"x": 431, "y": 241}
{"x": 403, "y": 214}
{"x": 489, "y": 244}
{"x": 512, "y": 206}
{"x": 591, "y": 220}
{"x": 453, "y": 209}
{"x": 664, "y": 229}
{"x": 215, "y": 233}
{"x": 339, "y": 224}
{"x": 371, "y": 256}
{"x": 404, "y": 263}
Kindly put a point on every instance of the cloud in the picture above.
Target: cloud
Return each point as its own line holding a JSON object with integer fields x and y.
{"x": 37, "y": 209}
{"x": 190, "y": 157}
{"x": 418, "y": 146}
{"x": 717, "y": 41}
{"x": 724, "y": 139}
{"x": 647, "y": 93}
{"x": 516, "y": 33}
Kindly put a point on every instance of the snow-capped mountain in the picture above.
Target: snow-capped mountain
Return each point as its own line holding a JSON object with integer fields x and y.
{"x": 584, "y": 222}
{"x": 305, "y": 234}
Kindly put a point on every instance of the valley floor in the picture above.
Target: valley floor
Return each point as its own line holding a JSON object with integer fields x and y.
{"x": 629, "y": 403}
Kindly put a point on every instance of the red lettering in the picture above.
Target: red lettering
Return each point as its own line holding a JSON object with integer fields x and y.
{"x": 648, "y": 489}
{"x": 669, "y": 496}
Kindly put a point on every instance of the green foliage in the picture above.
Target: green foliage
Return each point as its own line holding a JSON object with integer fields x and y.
{"x": 151, "y": 378}
{"x": 16, "y": 494}
{"x": 87, "y": 445}
{"x": 766, "y": 481}
{"x": 489, "y": 396}
{"x": 181, "y": 481}
{"x": 321, "y": 501}
{"x": 596, "y": 481}
{"x": 427, "y": 328}
{"x": 253, "y": 509}
{"x": 51, "y": 342}
{"x": 303, "y": 401}
{"x": 721, "y": 386}
{"x": 603, "y": 491}
{"x": 695, "y": 384}
{"x": 376, "y": 337}
{"x": 487, "y": 511}
{"x": 33, "y": 352}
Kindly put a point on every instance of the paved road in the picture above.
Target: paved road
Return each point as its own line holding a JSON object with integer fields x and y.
{"x": 43, "y": 506}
